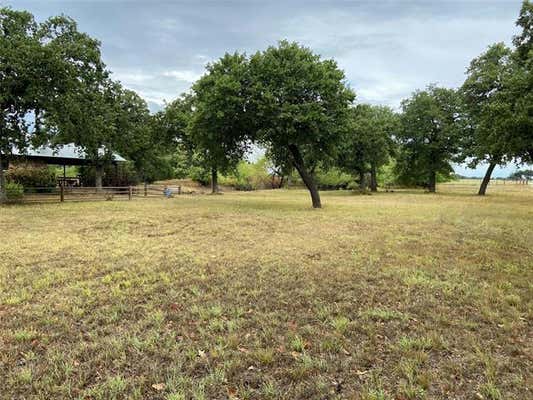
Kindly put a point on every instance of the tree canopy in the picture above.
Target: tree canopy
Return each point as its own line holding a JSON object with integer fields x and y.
{"x": 498, "y": 94}
{"x": 429, "y": 134}
{"x": 40, "y": 65}
{"x": 221, "y": 125}
{"x": 368, "y": 142}
{"x": 288, "y": 100}
{"x": 489, "y": 109}
{"x": 301, "y": 104}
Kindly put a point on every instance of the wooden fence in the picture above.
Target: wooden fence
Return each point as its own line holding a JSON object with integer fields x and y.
{"x": 65, "y": 193}
{"x": 472, "y": 185}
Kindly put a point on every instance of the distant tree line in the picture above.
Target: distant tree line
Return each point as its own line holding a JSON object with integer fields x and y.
{"x": 286, "y": 99}
{"x": 525, "y": 174}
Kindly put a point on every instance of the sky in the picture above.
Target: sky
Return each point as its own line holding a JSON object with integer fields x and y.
{"x": 387, "y": 48}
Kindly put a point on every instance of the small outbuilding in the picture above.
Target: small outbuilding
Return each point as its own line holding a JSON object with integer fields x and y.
{"x": 64, "y": 155}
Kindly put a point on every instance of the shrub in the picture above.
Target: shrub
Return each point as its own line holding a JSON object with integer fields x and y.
{"x": 31, "y": 176}
{"x": 249, "y": 176}
{"x": 332, "y": 179}
{"x": 245, "y": 187}
{"x": 14, "y": 191}
{"x": 200, "y": 174}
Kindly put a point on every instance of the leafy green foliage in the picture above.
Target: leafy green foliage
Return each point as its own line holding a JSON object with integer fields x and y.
{"x": 521, "y": 174}
{"x": 368, "y": 143}
{"x": 102, "y": 118}
{"x": 40, "y": 65}
{"x": 300, "y": 103}
{"x": 172, "y": 141}
{"x": 30, "y": 175}
{"x": 489, "y": 111}
{"x": 498, "y": 95}
{"x": 522, "y": 84}
{"x": 14, "y": 191}
{"x": 524, "y": 40}
{"x": 429, "y": 136}
{"x": 249, "y": 176}
{"x": 220, "y": 126}
{"x": 332, "y": 179}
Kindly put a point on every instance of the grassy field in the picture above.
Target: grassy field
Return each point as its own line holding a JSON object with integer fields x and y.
{"x": 255, "y": 295}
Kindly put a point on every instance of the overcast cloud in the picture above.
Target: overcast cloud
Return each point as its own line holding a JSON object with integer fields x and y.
{"x": 387, "y": 48}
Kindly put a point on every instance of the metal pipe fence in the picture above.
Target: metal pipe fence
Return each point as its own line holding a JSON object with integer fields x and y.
{"x": 108, "y": 193}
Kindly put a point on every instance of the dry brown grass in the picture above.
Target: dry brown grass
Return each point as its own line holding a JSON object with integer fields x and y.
{"x": 255, "y": 295}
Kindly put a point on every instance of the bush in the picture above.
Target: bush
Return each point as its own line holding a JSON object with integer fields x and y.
{"x": 32, "y": 176}
{"x": 14, "y": 191}
{"x": 200, "y": 174}
{"x": 332, "y": 179}
{"x": 245, "y": 187}
{"x": 249, "y": 176}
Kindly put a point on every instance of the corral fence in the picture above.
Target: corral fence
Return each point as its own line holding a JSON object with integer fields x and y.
{"x": 63, "y": 193}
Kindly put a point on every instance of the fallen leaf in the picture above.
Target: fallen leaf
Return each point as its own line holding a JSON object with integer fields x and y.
{"x": 232, "y": 392}
{"x": 158, "y": 386}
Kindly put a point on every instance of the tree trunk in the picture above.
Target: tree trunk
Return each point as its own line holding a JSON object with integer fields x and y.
{"x": 306, "y": 176}
{"x": 486, "y": 180}
{"x": 37, "y": 121}
{"x": 99, "y": 177}
{"x": 214, "y": 180}
{"x": 281, "y": 181}
{"x": 373, "y": 179}
{"x": 432, "y": 186}
{"x": 3, "y": 195}
{"x": 362, "y": 183}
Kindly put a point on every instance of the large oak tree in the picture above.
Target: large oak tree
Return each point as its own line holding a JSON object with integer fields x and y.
{"x": 498, "y": 94}
{"x": 368, "y": 143}
{"x": 301, "y": 106}
{"x": 220, "y": 126}
{"x": 522, "y": 84}
{"x": 430, "y": 135}
{"x": 489, "y": 110}
{"x": 39, "y": 65}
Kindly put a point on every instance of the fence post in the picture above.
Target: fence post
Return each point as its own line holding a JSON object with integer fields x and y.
{"x": 145, "y": 189}
{"x": 130, "y": 192}
{"x": 179, "y": 189}
{"x": 62, "y": 192}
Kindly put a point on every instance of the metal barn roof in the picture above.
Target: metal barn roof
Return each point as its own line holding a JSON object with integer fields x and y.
{"x": 65, "y": 154}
